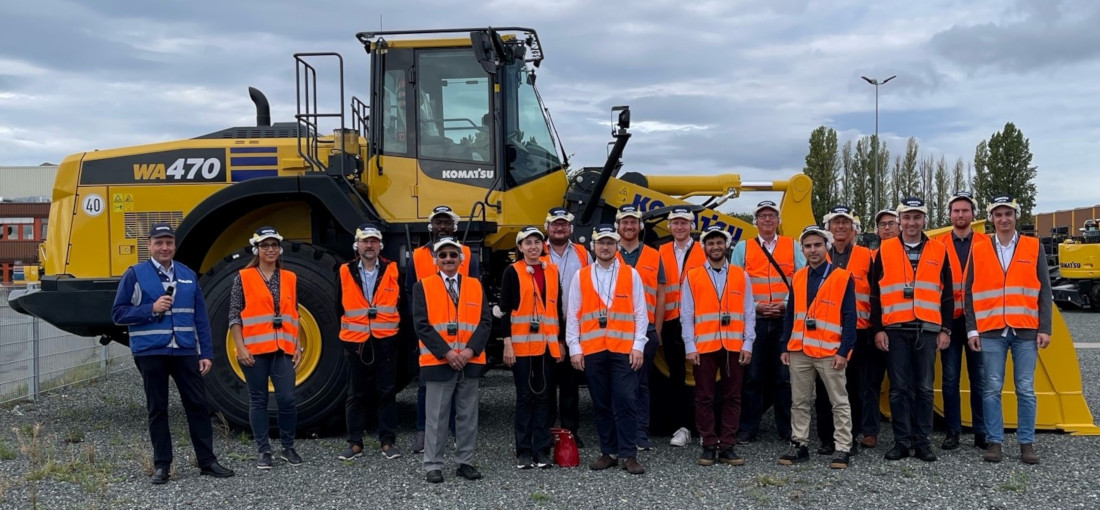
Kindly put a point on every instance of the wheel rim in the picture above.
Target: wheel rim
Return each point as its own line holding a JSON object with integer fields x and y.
{"x": 310, "y": 341}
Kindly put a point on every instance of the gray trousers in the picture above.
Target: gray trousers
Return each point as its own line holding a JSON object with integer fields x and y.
{"x": 462, "y": 390}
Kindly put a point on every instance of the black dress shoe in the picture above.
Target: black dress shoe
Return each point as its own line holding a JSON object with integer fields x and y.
{"x": 707, "y": 458}
{"x": 950, "y": 442}
{"x": 434, "y": 476}
{"x": 898, "y": 452}
{"x": 826, "y": 449}
{"x": 980, "y": 442}
{"x": 160, "y": 476}
{"x": 217, "y": 471}
{"x": 744, "y": 437}
{"x": 468, "y": 472}
{"x": 924, "y": 452}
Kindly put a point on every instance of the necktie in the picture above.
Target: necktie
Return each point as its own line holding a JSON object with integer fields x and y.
{"x": 452, "y": 290}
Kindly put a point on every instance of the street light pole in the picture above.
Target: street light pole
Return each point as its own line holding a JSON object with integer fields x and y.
{"x": 874, "y": 149}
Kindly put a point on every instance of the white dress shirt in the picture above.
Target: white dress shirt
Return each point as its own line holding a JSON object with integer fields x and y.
{"x": 568, "y": 263}
{"x": 687, "y": 309}
{"x": 368, "y": 278}
{"x": 601, "y": 277}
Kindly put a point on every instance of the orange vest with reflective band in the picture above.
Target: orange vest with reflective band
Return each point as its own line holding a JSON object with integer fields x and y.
{"x": 1006, "y": 298}
{"x": 257, "y": 326}
{"x": 824, "y": 340}
{"x": 960, "y": 268}
{"x": 424, "y": 262}
{"x": 442, "y": 311}
{"x": 674, "y": 278}
{"x": 531, "y": 308}
{"x": 710, "y": 334}
{"x": 767, "y": 284}
{"x": 356, "y": 325}
{"x": 859, "y": 266}
{"x": 648, "y": 267}
{"x": 897, "y": 273}
{"x": 579, "y": 251}
{"x": 618, "y": 335}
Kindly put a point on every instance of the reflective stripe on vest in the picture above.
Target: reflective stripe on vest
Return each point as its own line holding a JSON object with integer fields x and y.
{"x": 257, "y": 318}
{"x": 1006, "y": 298}
{"x": 443, "y": 311}
{"x": 897, "y": 274}
{"x": 710, "y": 334}
{"x": 356, "y": 325}
{"x": 859, "y": 267}
{"x": 618, "y": 335}
{"x": 648, "y": 267}
{"x": 767, "y": 284}
{"x": 824, "y": 340}
{"x": 424, "y": 262}
{"x": 674, "y": 277}
{"x": 531, "y": 308}
{"x": 960, "y": 269}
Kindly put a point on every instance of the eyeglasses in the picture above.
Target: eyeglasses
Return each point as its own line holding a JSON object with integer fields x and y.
{"x": 767, "y": 216}
{"x": 268, "y": 246}
{"x": 447, "y": 255}
{"x": 887, "y": 224}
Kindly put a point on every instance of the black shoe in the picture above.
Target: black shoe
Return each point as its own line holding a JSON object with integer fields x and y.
{"x": 216, "y": 470}
{"x": 434, "y": 476}
{"x": 543, "y": 460}
{"x": 524, "y": 461}
{"x": 264, "y": 461}
{"x": 708, "y": 456}
{"x": 577, "y": 439}
{"x": 797, "y": 453}
{"x": 468, "y": 472}
{"x": 745, "y": 437}
{"x": 729, "y": 456}
{"x": 898, "y": 452}
{"x": 291, "y": 456}
{"x": 840, "y": 460}
{"x": 160, "y": 476}
{"x": 950, "y": 442}
{"x": 980, "y": 441}
{"x": 924, "y": 452}
{"x": 826, "y": 449}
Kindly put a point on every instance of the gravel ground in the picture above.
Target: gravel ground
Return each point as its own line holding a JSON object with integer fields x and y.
{"x": 92, "y": 451}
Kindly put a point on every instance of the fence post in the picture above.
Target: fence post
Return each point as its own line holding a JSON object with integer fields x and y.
{"x": 35, "y": 361}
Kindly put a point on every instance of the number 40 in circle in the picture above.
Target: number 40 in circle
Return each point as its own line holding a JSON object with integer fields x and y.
{"x": 93, "y": 205}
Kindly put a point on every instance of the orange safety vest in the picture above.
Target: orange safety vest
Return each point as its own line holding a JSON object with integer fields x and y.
{"x": 443, "y": 312}
{"x": 824, "y": 340}
{"x": 710, "y": 334}
{"x": 674, "y": 278}
{"x": 257, "y": 318}
{"x": 424, "y": 262}
{"x": 356, "y": 325}
{"x": 618, "y": 335}
{"x": 959, "y": 268}
{"x": 580, "y": 251}
{"x": 859, "y": 266}
{"x": 648, "y": 267}
{"x": 1006, "y": 298}
{"x": 897, "y": 273}
{"x": 531, "y": 308}
{"x": 767, "y": 284}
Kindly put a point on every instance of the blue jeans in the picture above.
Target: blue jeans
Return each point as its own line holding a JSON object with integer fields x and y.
{"x": 951, "y": 363}
{"x": 613, "y": 386}
{"x": 278, "y": 367}
{"x": 911, "y": 366}
{"x": 1024, "y": 355}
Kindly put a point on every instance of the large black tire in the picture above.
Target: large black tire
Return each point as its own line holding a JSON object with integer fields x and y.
{"x": 320, "y": 397}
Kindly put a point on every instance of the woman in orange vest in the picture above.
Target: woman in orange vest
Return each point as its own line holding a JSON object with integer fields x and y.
{"x": 531, "y": 293}
{"x": 266, "y": 340}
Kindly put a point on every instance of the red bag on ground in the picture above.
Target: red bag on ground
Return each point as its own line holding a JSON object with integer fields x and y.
{"x": 565, "y": 448}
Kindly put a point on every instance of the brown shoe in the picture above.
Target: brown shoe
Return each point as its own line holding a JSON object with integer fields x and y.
{"x": 603, "y": 463}
{"x": 632, "y": 466}
{"x": 869, "y": 441}
{"x": 1027, "y": 454}
{"x": 993, "y": 453}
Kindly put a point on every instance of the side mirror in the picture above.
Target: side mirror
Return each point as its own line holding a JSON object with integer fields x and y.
{"x": 485, "y": 51}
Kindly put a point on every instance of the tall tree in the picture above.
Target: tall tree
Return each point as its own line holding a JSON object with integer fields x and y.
{"x": 862, "y": 174}
{"x": 1010, "y": 170}
{"x": 910, "y": 173}
{"x": 940, "y": 194}
{"x": 881, "y": 167}
{"x": 979, "y": 182}
{"x": 958, "y": 176}
{"x": 847, "y": 164}
{"x": 821, "y": 166}
{"x": 896, "y": 193}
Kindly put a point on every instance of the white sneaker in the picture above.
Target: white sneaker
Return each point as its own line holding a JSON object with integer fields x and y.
{"x": 681, "y": 437}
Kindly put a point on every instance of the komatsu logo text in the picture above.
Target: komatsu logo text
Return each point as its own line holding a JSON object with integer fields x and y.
{"x": 707, "y": 218}
{"x": 468, "y": 174}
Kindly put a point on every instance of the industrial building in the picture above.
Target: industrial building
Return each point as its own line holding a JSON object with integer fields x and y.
{"x": 24, "y": 215}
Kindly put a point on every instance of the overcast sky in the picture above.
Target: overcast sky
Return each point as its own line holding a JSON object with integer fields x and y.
{"x": 714, "y": 86}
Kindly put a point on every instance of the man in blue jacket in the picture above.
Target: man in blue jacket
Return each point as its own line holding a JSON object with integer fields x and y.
{"x": 160, "y": 303}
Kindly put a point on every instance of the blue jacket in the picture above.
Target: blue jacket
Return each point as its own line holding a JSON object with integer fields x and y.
{"x": 187, "y": 321}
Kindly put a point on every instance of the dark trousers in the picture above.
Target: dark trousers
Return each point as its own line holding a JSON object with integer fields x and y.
{"x": 823, "y": 408}
{"x": 767, "y": 380}
{"x": 643, "y": 404}
{"x": 614, "y": 389}
{"x": 951, "y": 365}
{"x": 911, "y": 365}
{"x": 372, "y": 375}
{"x": 564, "y": 398}
{"x": 872, "y": 370}
{"x": 672, "y": 338}
{"x": 278, "y": 367}
{"x": 532, "y": 375}
{"x": 710, "y": 365}
{"x": 155, "y": 371}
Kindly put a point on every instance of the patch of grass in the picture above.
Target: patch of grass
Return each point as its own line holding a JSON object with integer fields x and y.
{"x": 1017, "y": 482}
{"x": 7, "y": 451}
{"x": 908, "y": 472}
{"x": 74, "y": 436}
{"x": 88, "y": 372}
{"x": 759, "y": 496}
{"x": 540, "y": 497}
{"x": 348, "y": 463}
{"x": 244, "y": 439}
{"x": 770, "y": 481}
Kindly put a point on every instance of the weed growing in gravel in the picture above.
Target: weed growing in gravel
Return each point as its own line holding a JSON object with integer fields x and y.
{"x": 540, "y": 497}
{"x": 759, "y": 496}
{"x": 239, "y": 457}
{"x": 1017, "y": 482}
{"x": 770, "y": 481}
{"x": 74, "y": 436}
{"x": 143, "y": 458}
{"x": 7, "y": 451}
{"x": 244, "y": 439}
{"x": 82, "y": 469}
{"x": 29, "y": 437}
{"x": 908, "y": 472}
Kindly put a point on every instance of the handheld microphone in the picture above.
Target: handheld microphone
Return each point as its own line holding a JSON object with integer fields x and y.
{"x": 171, "y": 289}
